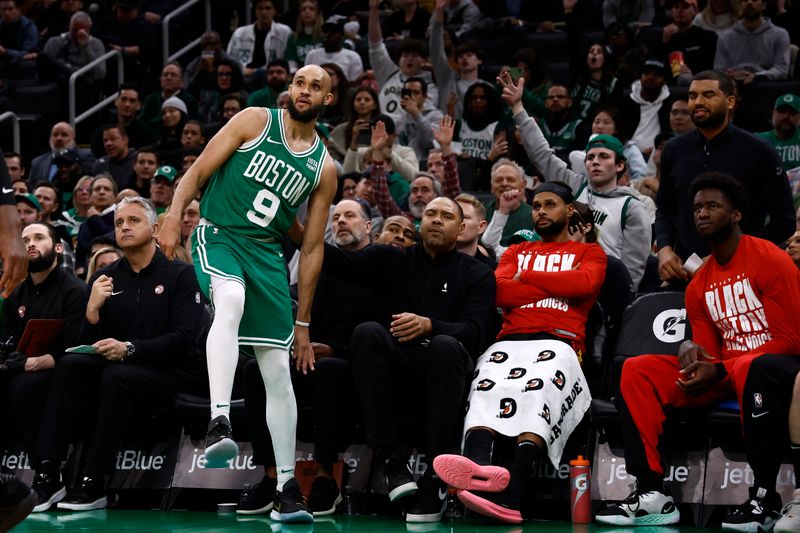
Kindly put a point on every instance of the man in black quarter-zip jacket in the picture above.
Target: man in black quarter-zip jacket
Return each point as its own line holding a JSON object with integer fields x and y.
{"x": 419, "y": 360}
{"x": 143, "y": 319}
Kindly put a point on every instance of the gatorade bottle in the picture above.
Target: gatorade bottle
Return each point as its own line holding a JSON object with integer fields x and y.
{"x": 580, "y": 491}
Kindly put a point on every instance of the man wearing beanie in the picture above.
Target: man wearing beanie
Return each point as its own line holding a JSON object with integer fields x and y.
{"x": 620, "y": 216}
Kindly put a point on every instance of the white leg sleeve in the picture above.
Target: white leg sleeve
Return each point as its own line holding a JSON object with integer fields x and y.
{"x": 222, "y": 346}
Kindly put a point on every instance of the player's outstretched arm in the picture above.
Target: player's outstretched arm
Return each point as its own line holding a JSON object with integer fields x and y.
{"x": 244, "y": 126}
{"x": 311, "y": 253}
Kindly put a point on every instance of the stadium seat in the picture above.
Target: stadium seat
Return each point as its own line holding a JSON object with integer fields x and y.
{"x": 559, "y": 72}
{"x": 549, "y": 47}
{"x": 496, "y": 48}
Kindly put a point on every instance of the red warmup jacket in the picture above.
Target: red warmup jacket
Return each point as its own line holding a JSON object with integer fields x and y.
{"x": 559, "y": 282}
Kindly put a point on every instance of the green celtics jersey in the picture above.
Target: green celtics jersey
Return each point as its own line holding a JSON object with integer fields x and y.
{"x": 257, "y": 191}
{"x": 788, "y": 149}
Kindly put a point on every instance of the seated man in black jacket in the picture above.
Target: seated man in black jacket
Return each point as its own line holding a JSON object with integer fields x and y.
{"x": 143, "y": 322}
{"x": 48, "y": 292}
{"x": 419, "y": 357}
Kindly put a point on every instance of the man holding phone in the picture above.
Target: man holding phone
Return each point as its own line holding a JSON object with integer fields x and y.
{"x": 416, "y": 122}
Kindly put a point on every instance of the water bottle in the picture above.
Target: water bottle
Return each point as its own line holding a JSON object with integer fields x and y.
{"x": 580, "y": 491}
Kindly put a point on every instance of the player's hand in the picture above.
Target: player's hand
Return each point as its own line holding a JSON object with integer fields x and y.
{"x": 690, "y": 352}
{"x": 12, "y": 251}
{"x": 169, "y": 236}
{"x": 102, "y": 288}
{"x": 512, "y": 92}
{"x": 700, "y": 376}
{"x": 303, "y": 352}
{"x": 111, "y": 349}
{"x": 444, "y": 133}
{"x": 408, "y": 326}
{"x": 670, "y": 266}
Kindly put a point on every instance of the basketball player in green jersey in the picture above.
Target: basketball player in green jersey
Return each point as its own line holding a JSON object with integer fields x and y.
{"x": 259, "y": 168}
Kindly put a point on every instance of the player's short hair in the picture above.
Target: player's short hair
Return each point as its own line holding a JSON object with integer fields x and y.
{"x": 470, "y": 47}
{"x": 731, "y": 187}
{"x": 726, "y": 84}
{"x": 422, "y": 83}
{"x": 51, "y": 231}
{"x": 144, "y": 203}
{"x": 480, "y": 209}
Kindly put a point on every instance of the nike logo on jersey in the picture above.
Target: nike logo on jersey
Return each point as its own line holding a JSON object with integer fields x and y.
{"x": 6, "y": 191}
{"x": 271, "y": 141}
{"x": 115, "y": 293}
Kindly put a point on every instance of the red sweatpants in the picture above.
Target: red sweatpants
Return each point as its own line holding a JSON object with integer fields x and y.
{"x": 648, "y": 386}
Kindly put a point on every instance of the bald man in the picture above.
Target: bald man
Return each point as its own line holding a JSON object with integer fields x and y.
{"x": 62, "y": 136}
{"x": 259, "y": 168}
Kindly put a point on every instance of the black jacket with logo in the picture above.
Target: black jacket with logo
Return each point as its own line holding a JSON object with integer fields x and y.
{"x": 455, "y": 291}
{"x": 61, "y": 296}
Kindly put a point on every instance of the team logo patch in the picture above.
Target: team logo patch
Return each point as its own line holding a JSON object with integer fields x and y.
{"x": 533, "y": 384}
{"x": 545, "y": 355}
{"x": 21, "y": 311}
{"x": 159, "y": 289}
{"x": 312, "y": 164}
{"x": 485, "y": 384}
{"x": 516, "y": 373}
{"x": 508, "y": 408}
{"x": 545, "y": 414}
{"x": 498, "y": 357}
{"x": 670, "y": 325}
{"x": 559, "y": 380}
{"x": 758, "y": 400}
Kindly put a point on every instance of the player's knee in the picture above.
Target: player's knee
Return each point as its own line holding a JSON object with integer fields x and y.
{"x": 366, "y": 337}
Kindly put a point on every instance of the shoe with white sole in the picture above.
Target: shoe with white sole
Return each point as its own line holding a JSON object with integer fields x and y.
{"x": 641, "y": 508}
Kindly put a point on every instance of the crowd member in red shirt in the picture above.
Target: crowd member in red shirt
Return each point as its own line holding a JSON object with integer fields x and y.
{"x": 546, "y": 289}
{"x": 742, "y": 303}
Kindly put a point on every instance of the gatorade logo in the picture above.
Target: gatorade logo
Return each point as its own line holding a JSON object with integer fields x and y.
{"x": 516, "y": 373}
{"x": 670, "y": 325}
{"x": 559, "y": 380}
{"x": 546, "y": 355}
{"x": 498, "y": 357}
{"x": 581, "y": 482}
{"x": 485, "y": 384}
{"x": 545, "y": 414}
{"x": 533, "y": 384}
{"x": 508, "y": 408}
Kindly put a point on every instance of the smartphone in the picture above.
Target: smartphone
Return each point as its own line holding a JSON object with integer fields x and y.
{"x": 364, "y": 137}
{"x": 515, "y": 73}
{"x": 405, "y": 92}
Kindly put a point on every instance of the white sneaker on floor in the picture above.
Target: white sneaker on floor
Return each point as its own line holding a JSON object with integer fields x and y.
{"x": 790, "y": 516}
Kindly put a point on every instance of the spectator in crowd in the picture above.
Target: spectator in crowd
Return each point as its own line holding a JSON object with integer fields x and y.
{"x": 695, "y": 44}
{"x": 54, "y": 19}
{"x": 28, "y": 208}
{"x": 509, "y": 205}
{"x": 417, "y": 121}
{"x": 714, "y": 365}
{"x": 127, "y": 105}
{"x": 171, "y": 82}
{"x": 622, "y": 220}
{"x": 719, "y": 15}
{"x": 189, "y": 221}
{"x": 386, "y": 353}
{"x": 118, "y": 158}
{"x": 144, "y": 168}
{"x": 48, "y": 292}
{"x": 680, "y": 119}
{"x": 16, "y": 170}
{"x": 49, "y": 197}
{"x": 793, "y": 249}
{"x": 307, "y": 34}
{"x": 161, "y": 188}
{"x": 127, "y": 33}
{"x": 335, "y": 112}
{"x": 255, "y": 45}
{"x": 391, "y": 76}
{"x": 635, "y": 14}
{"x": 754, "y": 48}
{"x": 173, "y": 118}
{"x": 596, "y": 84}
{"x": 205, "y": 65}
{"x": 717, "y": 144}
{"x": 401, "y": 159}
{"x": 476, "y": 129}
{"x": 100, "y": 221}
{"x": 62, "y": 136}
{"x": 408, "y": 20}
{"x": 785, "y": 136}
{"x": 468, "y": 241}
{"x": 469, "y": 58}
{"x": 561, "y": 126}
{"x": 460, "y": 16}
{"x": 18, "y": 40}
{"x": 230, "y": 104}
{"x": 277, "y": 81}
{"x": 20, "y": 186}
{"x": 64, "y": 54}
{"x": 546, "y": 289}
{"x": 155, "y": 332}
{"x": 79, "y": 212}
{"x": 363, "y": 107}
{"x": 605, "y": 123}
{"x": 332, "y": 51}
{"x": 339, "y": 306}
{"x": 192, "y": 135}
{"x": 397, "y": 231}
{"x": 227, "y": 80}
{"x": 536, "y": 81}
{"x": 68, "y": 165}
{"x": 646, "y": 112}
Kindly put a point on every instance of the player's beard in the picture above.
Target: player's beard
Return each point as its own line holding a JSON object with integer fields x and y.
{"x": 42, "y": 263}
{"x": 555, "y": 227}
{"x": 309, "y": 115}
{"x": 715, "y": 118}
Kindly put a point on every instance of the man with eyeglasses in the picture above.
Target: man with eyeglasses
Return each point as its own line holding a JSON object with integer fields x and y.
{"x": 564, "y": 132}
{"x": 171, "y": 82}
{"x": 416, "y": 122}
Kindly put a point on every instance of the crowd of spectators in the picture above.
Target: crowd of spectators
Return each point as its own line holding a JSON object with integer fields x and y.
{"x": 423, "y": 111}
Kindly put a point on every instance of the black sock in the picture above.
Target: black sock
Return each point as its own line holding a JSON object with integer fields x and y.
{"x": 795, "y": 453}
{"x": 478, "y": 446}
{"x": 525, "y": 454}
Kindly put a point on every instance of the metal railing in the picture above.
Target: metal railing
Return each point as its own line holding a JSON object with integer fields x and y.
{"x": 74, "y": 120}
{"x": 15, "y": 128}
{"x": 165, "y": 30}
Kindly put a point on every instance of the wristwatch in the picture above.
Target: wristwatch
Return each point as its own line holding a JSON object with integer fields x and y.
{"x": 130, "y": 350}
